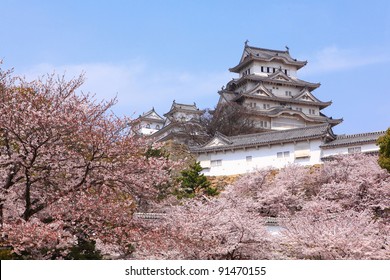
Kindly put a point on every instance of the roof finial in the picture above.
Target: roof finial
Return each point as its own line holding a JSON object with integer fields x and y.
{"x": 287, "y": 48}
{"x": 246, "y": 43}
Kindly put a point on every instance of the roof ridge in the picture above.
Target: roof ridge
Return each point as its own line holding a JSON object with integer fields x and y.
{"x": 346, "y": 136}
{"x": 145, "y": 114}
{"x": 264, "y": 49}
{"x": 185, "y": 104}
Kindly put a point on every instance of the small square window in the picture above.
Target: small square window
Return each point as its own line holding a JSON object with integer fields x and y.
{"x": 249, "y": 159}
{"x": 354, "y": 150}
{"x": 284, "y": 154}
{"x": 215, "y": 163}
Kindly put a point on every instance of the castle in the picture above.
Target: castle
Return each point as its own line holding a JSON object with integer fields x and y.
{"x": 290, "y": 127}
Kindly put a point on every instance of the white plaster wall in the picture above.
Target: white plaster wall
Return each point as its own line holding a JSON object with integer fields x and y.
{"x": 305, "y": 109}
{"x": 147, "y": 131}
{"x": 281, "y": 91}
{"x": 234, "y": 162}
{"x": 153, "y": 127}
{"x": 255, "y": 68}
{"x": 371, "y": 147}
{"x": 283, "y": 123}
{"x": 184, "y": 116}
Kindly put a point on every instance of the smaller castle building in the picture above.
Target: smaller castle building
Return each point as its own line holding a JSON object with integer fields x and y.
{"x": 181, "y": 124}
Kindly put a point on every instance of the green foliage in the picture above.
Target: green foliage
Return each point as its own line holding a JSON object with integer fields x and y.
{"x": 192, "y": 182}
{"x": 384, "y": 150}
{"x": 210, "y": 191}
{"x": 6, "y": 253}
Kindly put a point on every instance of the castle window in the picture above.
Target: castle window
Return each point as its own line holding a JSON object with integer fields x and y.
{"x": 215, "y": 163}
{"x": 246, "y": 72}
{"x": 274, "y": 70}
{"x": 148, "y": 126}
{"x": 285, "y": 71}
{"x": 354, "y": 150}
{"x": 284, "y": 154}
{"x": 312, "y": 111}
{"x": 262, "y": 69}
{"x": 157, "y": 127}
{"x": 249, "y": 159}
{"x": 288, "y": 93}
{"x": 267, "y": 69}
{"x": 265, "y": 106}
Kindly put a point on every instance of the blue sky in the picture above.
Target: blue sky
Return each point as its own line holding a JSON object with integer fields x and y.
{"x": 148, "y": 53}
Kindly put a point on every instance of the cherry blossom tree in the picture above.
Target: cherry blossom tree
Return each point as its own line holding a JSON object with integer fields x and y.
{"x": 317, "y": 233}
{"x": 335, "y": 211}
{"x": 65, "y": 160}
{"x": 357, "y": 182}
{"x": 227, "y": 227}
{"x": 207, "y": 229}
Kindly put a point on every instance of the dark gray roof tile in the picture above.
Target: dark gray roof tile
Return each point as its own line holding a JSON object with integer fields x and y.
{"x": 354, "y": 139}
{"x": 268, "y": 138}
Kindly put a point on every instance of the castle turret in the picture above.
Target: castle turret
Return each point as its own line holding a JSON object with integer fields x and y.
{"x": 269, "y": 87}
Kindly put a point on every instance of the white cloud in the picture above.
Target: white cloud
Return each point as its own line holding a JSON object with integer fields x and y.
{"x": 333, "y": 58}
{"x": 139, "y": 86}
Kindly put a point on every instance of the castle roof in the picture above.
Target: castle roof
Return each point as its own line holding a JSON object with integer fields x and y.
{"x": 185, "y": 108}
{"x": 353, "y": 139}
{"x": 292, "y": 100}
{"x": 223, "y": 143}
{"x": 272, "y": 79}
{"x": 251, "y": 54}
{"x": 151, "y": 115}
{"x": 280, "y": 110}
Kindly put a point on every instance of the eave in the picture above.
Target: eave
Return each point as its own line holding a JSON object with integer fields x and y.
{"x": 297, "y": 83}
{"x": 251, "y": 58}
{"x": 320, "y": 104}
{"x": 323, "y": 132}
